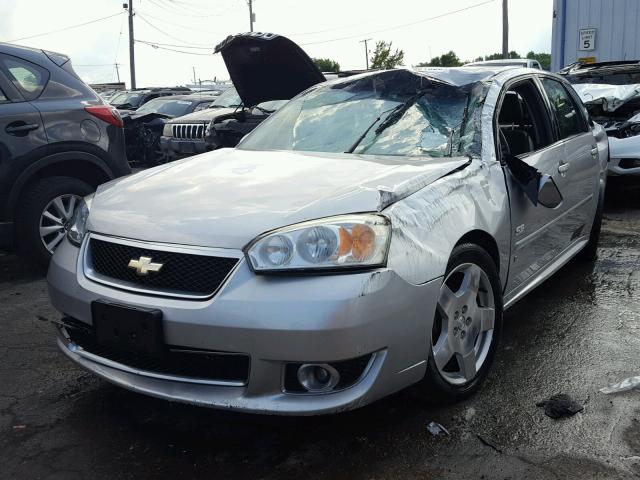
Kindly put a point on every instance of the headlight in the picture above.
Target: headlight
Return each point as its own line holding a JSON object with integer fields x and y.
{"x": 348, "y": 241}
{"x": 166, "y": 131}
{"x": 78, "y": 226}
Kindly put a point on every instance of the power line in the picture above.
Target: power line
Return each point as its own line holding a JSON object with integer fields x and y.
{"x": 210, "y": 48}
{"x": 183, "y": 8}
{"x": 165, "y": 33}
{"x": 65, "y": 28}
{"x": 153, "y": 45}
{"x": 350, "y": 37}
{"x": 177, "y": 25}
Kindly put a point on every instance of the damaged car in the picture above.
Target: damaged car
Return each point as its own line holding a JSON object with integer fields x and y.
{"x": 184, "y": 136}
{"x": 611, "y": 93}
{"x": 365, "y": 237}
{"x": 267, "y": 70}
{"x": 143, "y": 128}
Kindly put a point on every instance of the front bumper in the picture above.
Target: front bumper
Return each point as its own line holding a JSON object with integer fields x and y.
{"x": 275, "y": 320}
{"x": 176, "y": 149}
{"x": 626, "y": 166}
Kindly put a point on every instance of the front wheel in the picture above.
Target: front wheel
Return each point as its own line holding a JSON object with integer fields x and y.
{"x": 45, "y": 214}
{"x": 466, "y": 327}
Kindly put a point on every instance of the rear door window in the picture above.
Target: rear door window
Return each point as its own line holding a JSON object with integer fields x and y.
{"x": 568, "y": 116}
{"x": 3, "y": 97}
{"x": 29, "y": 78}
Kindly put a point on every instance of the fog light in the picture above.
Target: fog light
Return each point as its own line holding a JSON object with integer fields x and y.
{"x": 318, "y": 377}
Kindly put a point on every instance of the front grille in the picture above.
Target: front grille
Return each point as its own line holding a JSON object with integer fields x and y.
{"x": 188, "y": 131}
{"x": 176, "y": 361}
{"x": 181, "y": 273}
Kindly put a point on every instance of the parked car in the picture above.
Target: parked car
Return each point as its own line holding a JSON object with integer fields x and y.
{"x": 184, "y": 136}
{"x": 58, "y": 142}
{"x": 133, "y": 99}
{"x": 611, "y": 92}
{"x": 365, "y": 237}
{"x": 267, "y": 70}
{"x": 144, "y": 126}
{"x": 507, "y": 62}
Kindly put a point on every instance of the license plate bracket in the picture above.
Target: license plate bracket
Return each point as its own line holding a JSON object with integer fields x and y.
{"x": 131, "y": 329}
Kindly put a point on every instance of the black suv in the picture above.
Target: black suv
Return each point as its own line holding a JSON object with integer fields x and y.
{"x": 58, "y": 142}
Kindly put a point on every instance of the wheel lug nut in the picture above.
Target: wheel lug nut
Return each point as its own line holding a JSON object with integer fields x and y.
{"x": 455, "y": 331}
{"x": 456, "y": 315}
{"x": 462, "y": 334}
{"x": 464, "y": 309}
{"x": 468, "y": 321}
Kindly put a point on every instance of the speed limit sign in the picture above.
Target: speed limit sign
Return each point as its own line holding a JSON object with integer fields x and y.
{"x": 587, "y": 39}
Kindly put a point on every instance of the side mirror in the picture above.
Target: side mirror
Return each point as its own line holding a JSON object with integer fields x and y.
{"x": 548, "y": 194}
{"x": 540, "y": 189}
{"x": 527, "y": 177}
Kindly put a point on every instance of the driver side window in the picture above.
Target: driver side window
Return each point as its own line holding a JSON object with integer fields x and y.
{"x": 521, "y": 121}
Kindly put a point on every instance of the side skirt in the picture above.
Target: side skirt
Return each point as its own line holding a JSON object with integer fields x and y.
{"x": 512, "y": 297}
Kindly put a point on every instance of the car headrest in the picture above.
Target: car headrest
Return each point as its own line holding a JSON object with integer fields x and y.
{"x": 511, "y": 111}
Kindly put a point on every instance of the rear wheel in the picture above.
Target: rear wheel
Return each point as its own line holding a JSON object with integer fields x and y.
{"x": 45, "y": 214}
{"x": 466, "y": 327}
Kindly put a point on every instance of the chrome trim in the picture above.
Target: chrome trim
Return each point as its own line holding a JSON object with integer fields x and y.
{"x": 376, "y": 357}
{"x": 188, "y": 131}
{"x": 92, "y": 275}
{"x": 78, "y": 350}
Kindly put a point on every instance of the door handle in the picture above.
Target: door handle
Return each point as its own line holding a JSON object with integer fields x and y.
{"x": 594, "y": 152}
{"x": 563, "y": 167}
{"x": 20, "y": 128}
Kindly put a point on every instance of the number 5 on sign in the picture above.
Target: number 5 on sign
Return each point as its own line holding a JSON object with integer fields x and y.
{"x": 587, "y": 39}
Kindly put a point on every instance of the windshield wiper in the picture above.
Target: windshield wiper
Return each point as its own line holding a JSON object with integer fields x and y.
{"x": 396, "y": 114}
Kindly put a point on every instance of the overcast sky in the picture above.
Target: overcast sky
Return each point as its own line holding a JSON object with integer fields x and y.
{"x": 326, "y": 28}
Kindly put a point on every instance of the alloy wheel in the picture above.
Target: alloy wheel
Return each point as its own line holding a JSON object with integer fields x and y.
{"x": 56, "y": 220}
{"x": 463, "y": 328}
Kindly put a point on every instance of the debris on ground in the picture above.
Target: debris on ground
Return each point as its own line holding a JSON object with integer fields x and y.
{"x": 489, "y": 443}
{"x": 436, "y": 429}
{"x": 560, "y": 406}
{"x": 622, "y": 386}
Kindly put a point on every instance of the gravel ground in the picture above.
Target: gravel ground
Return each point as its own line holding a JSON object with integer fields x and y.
{"x": 574, "y": 335}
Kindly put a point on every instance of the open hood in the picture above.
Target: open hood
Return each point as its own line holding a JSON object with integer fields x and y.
{"x": 266, "y": 66}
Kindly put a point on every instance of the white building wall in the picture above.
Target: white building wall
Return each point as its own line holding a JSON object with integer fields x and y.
{"x": 617, "y": 24}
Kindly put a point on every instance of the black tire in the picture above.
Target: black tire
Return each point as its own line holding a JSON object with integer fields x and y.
{"x": 32, "y": 205}
{"x": 434, "y": 387}
{"x": 590, "y": 252}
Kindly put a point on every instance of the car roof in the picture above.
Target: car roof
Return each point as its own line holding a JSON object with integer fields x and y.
{"x": 34, "y": 55}
{"x": 460, "y": 76}
{"x": 191, "y": 97}
{"x": 502, "y": 61}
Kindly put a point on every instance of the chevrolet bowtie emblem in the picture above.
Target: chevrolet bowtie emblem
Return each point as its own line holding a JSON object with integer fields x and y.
{"x": 143, "y": 265}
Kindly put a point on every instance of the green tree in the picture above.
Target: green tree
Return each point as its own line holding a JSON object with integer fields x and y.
{"x": 383, "y": 58}
{"x": 543, "y": 58}
{"x": 326, "y": 65}
{"x": 498, "y": 56}
{"x": 449, "y": 59}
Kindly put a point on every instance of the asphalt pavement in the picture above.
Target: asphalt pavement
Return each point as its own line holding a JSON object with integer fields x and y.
{"x": 575, "y": 334}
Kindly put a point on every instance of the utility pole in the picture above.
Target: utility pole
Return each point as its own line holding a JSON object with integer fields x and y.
{"x": 132, "y": 55}
{"x": 505, "y": 29}
{"x": 194, "y": 75}
{"x": 252, "y": 17}
{"x": 366, "y": 51}
{"x": 117, "y": 71}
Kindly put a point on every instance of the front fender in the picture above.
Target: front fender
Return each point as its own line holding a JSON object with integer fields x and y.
{"x": 427, "y": 225}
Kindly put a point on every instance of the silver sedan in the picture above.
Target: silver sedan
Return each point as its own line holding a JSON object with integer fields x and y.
{"x": 366, "y": 237}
